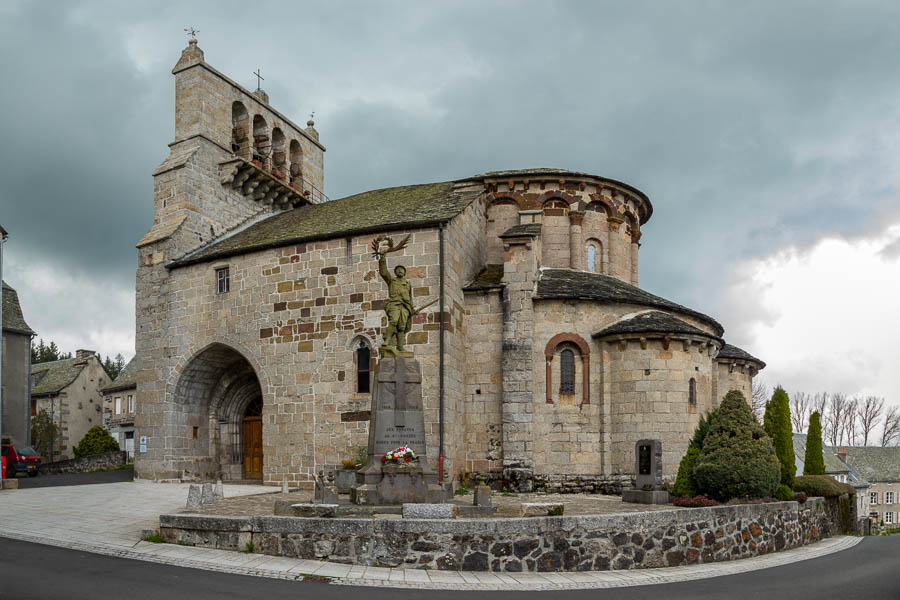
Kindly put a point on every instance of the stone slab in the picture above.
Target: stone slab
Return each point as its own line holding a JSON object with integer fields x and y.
{"x": 645, "y": 496}
{"x": 540, "y": 509}
{"x": 478, "y": 511}
{"x": 289, "y": 509}
{"x": 10, "y": 484}
{"x": 429, "y": 511}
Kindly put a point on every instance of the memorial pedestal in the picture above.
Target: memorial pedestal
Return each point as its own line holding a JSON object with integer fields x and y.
{"x": 397, "y": 420}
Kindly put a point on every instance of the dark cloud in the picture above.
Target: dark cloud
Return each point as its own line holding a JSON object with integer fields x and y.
{"x": 749, "y": 126}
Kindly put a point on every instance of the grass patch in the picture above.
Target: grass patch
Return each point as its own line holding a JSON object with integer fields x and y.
{"x": 155, "y": 538}
{"x": 183, "y": 543}
{"x": 508, "y": 494}
{"x": 462, "y": 491}
{"x": 248, "y": 549}
{"x": 556, "y": 511}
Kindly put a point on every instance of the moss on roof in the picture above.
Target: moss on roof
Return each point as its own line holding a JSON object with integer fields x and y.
{"x": 652, "y": 322}
{"x": 567, "y": 284}
{"x": 733, "y": 352}
{"x": 490, "y": 277}
{"x": 127, "y": 378}
{"x": 13, "y": 320}
{"x": 52, "y": 377}
{"x": 379, "y": 210}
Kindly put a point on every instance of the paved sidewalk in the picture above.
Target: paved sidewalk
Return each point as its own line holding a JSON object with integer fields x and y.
{"x": 107, "y": 519}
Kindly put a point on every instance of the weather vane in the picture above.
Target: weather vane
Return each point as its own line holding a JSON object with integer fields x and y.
{"x": 258, "y": 79}
{"x": 192, "y": 32}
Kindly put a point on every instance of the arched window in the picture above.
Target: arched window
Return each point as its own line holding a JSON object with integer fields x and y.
{"x": 592, "y": 258}
{"x": 279, "y": 155}
{"x": 261, "y": 143}
{"x": 239, "y": 133}
{"x": 363, "y": 376}
{"x": 296, "y": 161}
{"x": 567, "y": 372}
{"x": 692, "y": 391}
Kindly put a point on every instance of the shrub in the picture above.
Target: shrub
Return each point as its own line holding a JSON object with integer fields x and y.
{"x": 738, "y": 458}
{"x": 348, "y": 464}
{"x": 800, "y": 497}
{"x": 684, "y": 481}
{"x": 822, "y": 485}
{"x": 96, "y": 441}
{"x": 695, "y": 502}
{"x": 814, "y": 460}
{"x": 556, "y": 511}
{"x": 784, "y": 493}
{"x": 778, "y": 425}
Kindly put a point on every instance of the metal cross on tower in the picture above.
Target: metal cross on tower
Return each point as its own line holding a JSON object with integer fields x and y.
{"x": 258, "y": 79}
{"x": 192, "y": 32}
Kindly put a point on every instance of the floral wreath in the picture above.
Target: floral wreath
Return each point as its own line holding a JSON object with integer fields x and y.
{"x": 403, "y": 454}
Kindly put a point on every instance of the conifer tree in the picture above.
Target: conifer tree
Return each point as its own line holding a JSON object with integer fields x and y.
{"x": 814, "y": 460}
{"x": 777, "y": 422}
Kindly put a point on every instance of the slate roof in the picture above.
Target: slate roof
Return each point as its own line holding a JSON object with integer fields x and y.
{"x": 874, "y": 463}
{"x": 12, "y": 312}
{"x": 378, "y": 210}
{"x": 127, "y": 378}
{"x": 833, "y": 464}
{"x": 52, "y": 377}
{"x": 733, "y": 352}
{"x": 522, "y": 229}
{"x": 566, "y": 284}
{"x": 488, "y": 278}
{"x": 651, "y": 322}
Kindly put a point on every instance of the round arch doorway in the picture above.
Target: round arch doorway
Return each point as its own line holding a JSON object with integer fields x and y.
{"x": 252, "y": 440}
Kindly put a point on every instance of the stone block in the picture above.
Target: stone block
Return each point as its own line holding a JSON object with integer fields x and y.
{"x": 206, "y": 494}
{"x": 482, "y": 495}
{"x": 645, "y": 496}
{"x": 541, "y": 509}
{"x": 194, "y": 498}
{"x": 10, "y": 484}
{"x": 219, "y": 491}
{"x": 429, "y": 511}
{"x": 308, "y": 510}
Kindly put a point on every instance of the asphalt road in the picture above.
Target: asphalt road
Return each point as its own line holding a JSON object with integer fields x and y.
{"x": 75, "y": 479}
{"x": 870, "y": 570}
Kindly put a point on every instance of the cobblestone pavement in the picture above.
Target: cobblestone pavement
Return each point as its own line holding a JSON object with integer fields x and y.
{"x": 108, "y": 518}
{"x": 576, "y": 504}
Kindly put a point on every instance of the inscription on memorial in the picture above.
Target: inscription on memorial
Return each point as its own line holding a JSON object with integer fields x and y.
{"x": 644, "y": 453}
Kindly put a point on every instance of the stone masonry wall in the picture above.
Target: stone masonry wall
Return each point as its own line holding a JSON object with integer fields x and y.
{"x": 584, "y": 543}
{"x": 86, "y": 464}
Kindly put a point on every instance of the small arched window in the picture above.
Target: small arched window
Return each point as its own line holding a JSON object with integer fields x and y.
{"x": 239, "y": 123}
{"x": 692, "y": 391}
{"x": 592, "y": 258}
{"x": 296, "y": 160}
{"x": 567, "y": 372}
{"x": 363, "y": 376}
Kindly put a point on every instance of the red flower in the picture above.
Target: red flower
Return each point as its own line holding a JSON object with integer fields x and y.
{"x": 383, "y": 459}
{"x": 406, "y": 459}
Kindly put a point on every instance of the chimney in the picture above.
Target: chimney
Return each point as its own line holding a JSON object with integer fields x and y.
{"x": 82, "y": 356}
{"x": 842, "y": 454}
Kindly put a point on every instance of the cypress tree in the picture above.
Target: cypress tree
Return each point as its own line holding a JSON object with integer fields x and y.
{"x": 778, "y": 426}
{"x": 814, "y": 461}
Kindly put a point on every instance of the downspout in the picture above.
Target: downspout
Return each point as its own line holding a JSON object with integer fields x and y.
{"x": 441, "y": 357}
{"x": 28, "y": 394}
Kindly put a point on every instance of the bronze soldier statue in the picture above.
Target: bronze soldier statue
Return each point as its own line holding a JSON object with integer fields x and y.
{"x": 398, "y": 307}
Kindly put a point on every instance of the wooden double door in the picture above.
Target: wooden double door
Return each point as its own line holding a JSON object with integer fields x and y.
{"x": 253, "y": 448}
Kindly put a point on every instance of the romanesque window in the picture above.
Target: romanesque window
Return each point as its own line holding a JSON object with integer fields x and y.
{"x": 692, "y": 391}
{"x": 363, "y": 378}
{"x": 592, "y": 258}
{"x": 223, "y": 281}
{"x": 567, "y": 372}
{"x": 239, "y": 122}
{"x": 296, "y": 161}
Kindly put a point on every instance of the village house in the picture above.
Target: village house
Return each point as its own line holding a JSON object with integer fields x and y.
{"x": 259, "y": 313}
{"x": 118, "y": 407}
{"x": 69, "y": 391}
{"x": 16, "y": 361}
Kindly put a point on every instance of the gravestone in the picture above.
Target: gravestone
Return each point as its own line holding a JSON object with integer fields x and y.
{"x": 397, "y": 420}
{"x": 647, "y": 475}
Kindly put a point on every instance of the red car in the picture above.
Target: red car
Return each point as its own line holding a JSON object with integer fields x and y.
{"x": 21, "y": 459}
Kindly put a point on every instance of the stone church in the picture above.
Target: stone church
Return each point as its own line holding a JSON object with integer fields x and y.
{"x": 259, "y": 313}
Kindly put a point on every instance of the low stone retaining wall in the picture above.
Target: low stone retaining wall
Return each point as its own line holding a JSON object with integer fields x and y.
{"x": 86, "y": 463}
{"x": 563, "y": 484}
{"x": 581, "y": 543}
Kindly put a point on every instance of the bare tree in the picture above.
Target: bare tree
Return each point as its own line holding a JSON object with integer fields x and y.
{"x": 891, "y": 431}
{"x": 836, "y": 415}
{"x": 801, "y": 405}
{"x": 869, "y": 411}
{"x": 850, "y": 417}
{"x": 759, "y": 395}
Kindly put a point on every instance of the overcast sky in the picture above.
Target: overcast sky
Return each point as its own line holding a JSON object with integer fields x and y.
{"x": 767, "y": 136}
